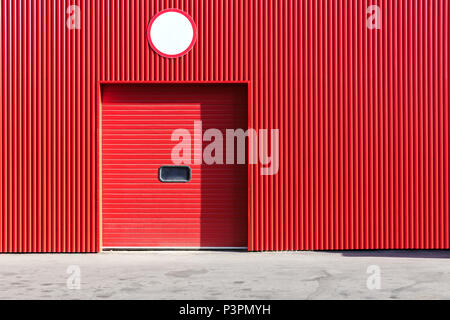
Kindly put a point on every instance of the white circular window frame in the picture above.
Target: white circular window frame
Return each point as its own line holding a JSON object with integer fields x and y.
{"x": 157, "y": 23}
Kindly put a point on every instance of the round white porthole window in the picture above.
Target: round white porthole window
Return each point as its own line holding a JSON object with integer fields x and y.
{"x": 172, "y": 33}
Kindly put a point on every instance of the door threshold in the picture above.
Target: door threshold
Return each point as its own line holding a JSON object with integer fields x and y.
{"x": 170, "y": 248}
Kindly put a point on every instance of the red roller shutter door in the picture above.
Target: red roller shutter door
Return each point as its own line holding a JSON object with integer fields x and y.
{"x": 138, "y": 210}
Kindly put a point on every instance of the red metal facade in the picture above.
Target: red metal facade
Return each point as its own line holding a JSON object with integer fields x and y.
{"x": 363, "y": 115}
{"x": 138, "y": 210}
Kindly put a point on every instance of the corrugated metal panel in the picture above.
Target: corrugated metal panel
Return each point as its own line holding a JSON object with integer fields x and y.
{"x": 363, "y": 115}
{"x": 141, "y": 211}
{"x": 48, "y": 133}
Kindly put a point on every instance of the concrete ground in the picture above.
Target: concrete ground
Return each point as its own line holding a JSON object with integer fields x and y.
{"x": 226, "y": 275}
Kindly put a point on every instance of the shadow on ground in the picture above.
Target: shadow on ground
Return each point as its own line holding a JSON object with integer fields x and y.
{"x": 432, "y": 254}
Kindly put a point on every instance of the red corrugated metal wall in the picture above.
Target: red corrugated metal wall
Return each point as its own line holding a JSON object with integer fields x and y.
{"x": 363, "y": 115}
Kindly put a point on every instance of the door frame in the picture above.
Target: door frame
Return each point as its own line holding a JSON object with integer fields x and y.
{"x": 99, "y": 238}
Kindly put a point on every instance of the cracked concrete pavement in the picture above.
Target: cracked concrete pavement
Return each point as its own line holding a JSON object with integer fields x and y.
{"x": 226, "y": 275}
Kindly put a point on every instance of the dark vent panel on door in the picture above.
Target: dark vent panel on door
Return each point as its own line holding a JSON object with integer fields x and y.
{"x": 174, "y": 174}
